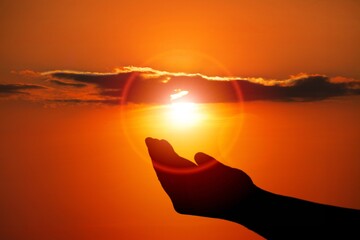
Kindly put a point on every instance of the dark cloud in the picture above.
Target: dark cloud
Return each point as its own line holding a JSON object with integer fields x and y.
{"x": 144, "y": 85}
{"x": 18, "y": 88}
{"x": 111, "y": 92}
{"x": 309, "y": 88}
{"x": 78, "y": 100}
{"x": 110, "y": 81}
{"x": 62, "y": 83}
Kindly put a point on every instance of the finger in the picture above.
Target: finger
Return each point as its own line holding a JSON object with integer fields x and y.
{"x": 204, "y": 159}
{"x": 158, "y": 149}
{"x": 161, "y": 152}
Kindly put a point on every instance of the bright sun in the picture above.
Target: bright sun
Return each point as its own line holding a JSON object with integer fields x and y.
{"x": 184, "y": 113}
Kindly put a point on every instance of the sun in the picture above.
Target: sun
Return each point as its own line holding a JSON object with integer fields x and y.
{"x": 183, "y": 113}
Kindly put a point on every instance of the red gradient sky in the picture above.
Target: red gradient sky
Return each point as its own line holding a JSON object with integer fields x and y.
{"x": 68, "y": 171}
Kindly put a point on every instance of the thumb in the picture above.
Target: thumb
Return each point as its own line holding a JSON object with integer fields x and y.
{"x": 202, "y": 158}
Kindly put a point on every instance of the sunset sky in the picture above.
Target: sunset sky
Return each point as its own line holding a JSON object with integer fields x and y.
{"x": 270, "y": 87}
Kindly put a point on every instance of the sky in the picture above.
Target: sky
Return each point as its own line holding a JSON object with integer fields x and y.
{"x": 270, "y": 39}
{"x": 271, "y": 87}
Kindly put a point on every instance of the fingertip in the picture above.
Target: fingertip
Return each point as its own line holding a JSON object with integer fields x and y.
{"x": 202, "y": 158}
{"x": 164, "y": 142}
{"x": 158, "y": 145}
{"x": 198, "y": 155}
{"x": 150, "y": 140}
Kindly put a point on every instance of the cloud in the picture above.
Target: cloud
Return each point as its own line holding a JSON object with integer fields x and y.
{"x": 107, "y": 81}
{"x": 89, "y": 101}
{"x": 63, "y": 83}
{"x": 147, "y": 85}
{"x": 18, "y": 88}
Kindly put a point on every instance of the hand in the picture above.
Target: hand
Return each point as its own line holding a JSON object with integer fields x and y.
{"x": 208, "y": 188}
{"x": 212, "y": 189}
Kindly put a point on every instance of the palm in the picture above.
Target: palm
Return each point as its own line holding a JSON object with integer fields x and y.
{"x": 208, "y": 189}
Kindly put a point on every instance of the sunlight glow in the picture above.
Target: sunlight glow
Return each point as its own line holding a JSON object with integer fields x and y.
{"x": 184, "y": 114}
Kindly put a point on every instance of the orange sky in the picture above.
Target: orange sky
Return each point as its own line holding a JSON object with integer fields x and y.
{"x": 70, "y": 173}
{"x": 70, "y": 170}
{"x": 272, "y": 39}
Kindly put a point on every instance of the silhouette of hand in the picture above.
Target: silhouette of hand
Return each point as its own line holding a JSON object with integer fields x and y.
{"x": 212, "y": 189}
{"x": 208, "y": 188}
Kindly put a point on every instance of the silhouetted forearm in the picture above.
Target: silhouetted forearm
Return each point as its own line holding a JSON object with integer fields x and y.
{"x": 279, "y": 217}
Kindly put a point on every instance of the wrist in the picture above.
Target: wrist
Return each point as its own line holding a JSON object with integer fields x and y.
{"x": 245, "y": 211}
